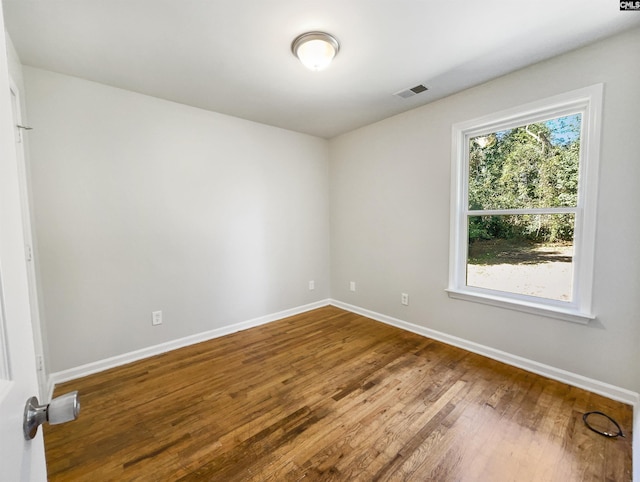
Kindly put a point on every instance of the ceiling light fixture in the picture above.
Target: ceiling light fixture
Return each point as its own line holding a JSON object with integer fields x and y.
{"x": 315, "y": 50}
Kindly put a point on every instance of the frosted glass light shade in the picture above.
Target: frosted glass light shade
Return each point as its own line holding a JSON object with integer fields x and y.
{"x": 315, "y": 50}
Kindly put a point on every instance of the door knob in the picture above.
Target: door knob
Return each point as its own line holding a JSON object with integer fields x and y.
{"x": 61, "y": 409}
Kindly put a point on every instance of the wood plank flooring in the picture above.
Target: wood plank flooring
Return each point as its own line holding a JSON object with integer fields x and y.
{"x": 332, "y": 396}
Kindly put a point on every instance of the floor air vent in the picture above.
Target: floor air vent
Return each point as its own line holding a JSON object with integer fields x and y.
{"x": 406, "y": 93}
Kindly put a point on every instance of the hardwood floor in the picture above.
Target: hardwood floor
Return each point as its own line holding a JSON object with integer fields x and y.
{"x": 332, "y": 396}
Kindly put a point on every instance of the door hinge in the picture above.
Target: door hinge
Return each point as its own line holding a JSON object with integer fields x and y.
{"x": 28, "y": 252}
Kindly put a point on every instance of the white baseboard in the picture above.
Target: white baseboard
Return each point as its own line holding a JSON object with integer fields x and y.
{"x": 595, "y": 386}
{"x": 101, "y": 365}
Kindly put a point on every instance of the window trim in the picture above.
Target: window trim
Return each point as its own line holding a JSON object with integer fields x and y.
{"x": 588, "y": 101}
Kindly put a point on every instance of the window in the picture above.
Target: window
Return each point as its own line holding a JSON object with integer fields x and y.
{"x": 524, "y": 187}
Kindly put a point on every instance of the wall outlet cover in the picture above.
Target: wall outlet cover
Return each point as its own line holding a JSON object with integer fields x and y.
{"x": 156, "y": 318}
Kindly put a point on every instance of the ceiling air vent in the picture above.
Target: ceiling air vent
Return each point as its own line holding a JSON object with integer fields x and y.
{"x": 406, "y": 93}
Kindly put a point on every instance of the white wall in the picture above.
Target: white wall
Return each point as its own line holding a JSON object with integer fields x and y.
{"x": 390, "y": 191}
{"x": 143, "y": 204}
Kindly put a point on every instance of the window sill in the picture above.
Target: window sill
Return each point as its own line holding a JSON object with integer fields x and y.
{"x": 541, "y": 309}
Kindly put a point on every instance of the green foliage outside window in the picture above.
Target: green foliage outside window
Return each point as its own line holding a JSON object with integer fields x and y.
{"x": 529, "y": 167}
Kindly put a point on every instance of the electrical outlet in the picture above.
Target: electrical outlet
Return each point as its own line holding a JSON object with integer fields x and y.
{"x": 404, "y": 299}
{"x": 312, "y": 285}
{"x": 352, "y": 286}
{"x": 156, "y": 318}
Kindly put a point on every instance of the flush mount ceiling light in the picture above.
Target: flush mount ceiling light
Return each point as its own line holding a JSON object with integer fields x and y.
{"x": 315, "y": 50}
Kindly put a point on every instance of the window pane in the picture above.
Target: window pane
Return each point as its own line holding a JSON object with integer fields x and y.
{"x": 524, "y": 254}
{"x": 527, "y": 167}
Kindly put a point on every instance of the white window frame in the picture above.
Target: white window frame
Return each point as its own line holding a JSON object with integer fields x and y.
{"x": 586, "y": 101}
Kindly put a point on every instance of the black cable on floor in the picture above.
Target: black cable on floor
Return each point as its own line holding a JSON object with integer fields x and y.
{"x": 605, "y": 434}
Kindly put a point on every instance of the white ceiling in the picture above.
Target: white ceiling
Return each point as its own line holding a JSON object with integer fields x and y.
{"x": 233, "y": 56}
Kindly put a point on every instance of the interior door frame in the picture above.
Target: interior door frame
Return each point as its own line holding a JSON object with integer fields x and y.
{"x": 44, "y": 386}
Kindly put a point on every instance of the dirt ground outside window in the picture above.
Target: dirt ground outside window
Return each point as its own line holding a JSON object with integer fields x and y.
{"x": 535, "y": 269}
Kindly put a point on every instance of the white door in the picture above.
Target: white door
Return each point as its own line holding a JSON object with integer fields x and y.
{"x": 20, "y": 460}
